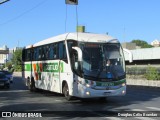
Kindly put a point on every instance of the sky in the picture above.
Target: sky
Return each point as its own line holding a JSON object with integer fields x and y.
{"x": 25, "y": 22}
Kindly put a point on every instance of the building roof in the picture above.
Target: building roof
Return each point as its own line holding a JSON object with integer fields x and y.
{"x": 155, "y": 42}
{"x": 144, "y": 54}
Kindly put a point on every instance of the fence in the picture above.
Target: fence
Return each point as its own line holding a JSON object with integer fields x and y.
{"x": 148, "y": 76}
{"x": 148, "y": 73}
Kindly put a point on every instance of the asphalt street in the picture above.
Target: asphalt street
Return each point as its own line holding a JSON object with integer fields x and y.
{"x": 139, "y": 101}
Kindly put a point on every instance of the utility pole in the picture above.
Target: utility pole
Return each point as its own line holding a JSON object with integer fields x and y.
{"x": 3, "y": 51}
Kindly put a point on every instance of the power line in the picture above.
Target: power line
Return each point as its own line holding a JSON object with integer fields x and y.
{"x": 72, "y": 2}
{"x": 25, "y": 12}
{"x": 77, "y": 20}
{"x": 3, "y": 1}
{"x": 66, "y": 18}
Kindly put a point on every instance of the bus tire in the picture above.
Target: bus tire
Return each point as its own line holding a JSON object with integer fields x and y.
{"x": 103, "y": 99}
{"x": 31, "y": 85}
{"x": 28, "y": 83}
{"x": 66, "y": 92}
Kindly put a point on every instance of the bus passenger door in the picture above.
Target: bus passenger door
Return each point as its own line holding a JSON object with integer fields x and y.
{"x": 66, "y": 75}
{"x": 60, "y": 64}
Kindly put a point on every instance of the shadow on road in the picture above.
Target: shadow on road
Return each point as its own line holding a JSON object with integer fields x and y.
{"x": 18, "y": 98}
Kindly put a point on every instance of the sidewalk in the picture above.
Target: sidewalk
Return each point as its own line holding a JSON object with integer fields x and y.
{"x": 17, "y": 73}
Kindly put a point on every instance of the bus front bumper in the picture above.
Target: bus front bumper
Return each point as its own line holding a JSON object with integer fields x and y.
{"x": 86, "y": 92}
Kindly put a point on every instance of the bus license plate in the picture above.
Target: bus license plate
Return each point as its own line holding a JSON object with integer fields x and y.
{"x": 107, "y": 93}
{"x": 108, "y": 84}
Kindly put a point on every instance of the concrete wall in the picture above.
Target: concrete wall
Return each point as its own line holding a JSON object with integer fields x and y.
{"x": 144, "y": 54}
{"x": 19, "y": 74}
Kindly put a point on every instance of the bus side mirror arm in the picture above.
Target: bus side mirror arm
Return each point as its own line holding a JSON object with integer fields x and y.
{"x": 130, "y": 54}
{"x": 80, "y": 64}
{"x": 79, "y": 53}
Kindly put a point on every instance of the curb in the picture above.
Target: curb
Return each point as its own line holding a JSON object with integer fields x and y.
{"x": 151, "y": 88}
{"x": 17, "y": 73}
{"x": 146, "y": 83}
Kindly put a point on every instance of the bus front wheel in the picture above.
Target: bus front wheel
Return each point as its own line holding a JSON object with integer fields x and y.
{"x": 66, "y": 92}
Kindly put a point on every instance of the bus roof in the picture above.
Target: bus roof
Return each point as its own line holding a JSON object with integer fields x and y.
{"x": 85, "y": 37}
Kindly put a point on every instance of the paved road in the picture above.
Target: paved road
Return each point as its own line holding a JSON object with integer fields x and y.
{"x": 139, "y": 100}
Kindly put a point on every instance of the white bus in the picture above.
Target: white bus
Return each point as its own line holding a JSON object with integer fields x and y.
{"x": 82, "y": 65}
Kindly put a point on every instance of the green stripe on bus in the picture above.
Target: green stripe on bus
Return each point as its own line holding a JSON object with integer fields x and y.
{"x": 45, "y": 67}
{"x": 27, "y": 67}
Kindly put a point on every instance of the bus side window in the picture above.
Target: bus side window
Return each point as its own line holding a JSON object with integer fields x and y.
{"x": 43, "y": 51}
{"x": 62, "y": 51}
{"x": 47, "y": 52}
{"x": 35, "y": 54}
{"x": 32, "y": 53}
{"x": 39, "y": 53}
{"x": 70, "y": 46}
{"x": 51, "y": 52}
{"x": 55, "y": 51}
{"x": 28, "y": 53}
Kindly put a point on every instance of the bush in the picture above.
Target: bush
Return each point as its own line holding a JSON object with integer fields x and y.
{"x": 149, "y": 73}
{"x": 136, "y": 71}
{"x": 17, "y": 60}
{"x": 152, "y": 74}
{"x": 8, "y": 65}
{"x": 11, "y": 70}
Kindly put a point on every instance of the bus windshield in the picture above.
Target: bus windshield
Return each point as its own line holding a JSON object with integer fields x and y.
{"x": 103, "y": 61}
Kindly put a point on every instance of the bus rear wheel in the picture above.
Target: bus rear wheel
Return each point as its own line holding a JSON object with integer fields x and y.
{"x": 31, "y": 85}
{"x": 66, "y": 92}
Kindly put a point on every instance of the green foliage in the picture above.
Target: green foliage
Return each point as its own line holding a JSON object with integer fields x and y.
{"x": 152, "y": 74}
{"x": 135, "y": 71}
{"x": 149, "y": 73}
{"x": 142, "y": 43}
{"x": 1, "y": 67}
{"x": 17, "y": 60}
{"x": 9, "y": 65}
{"x": 11, "y": 70}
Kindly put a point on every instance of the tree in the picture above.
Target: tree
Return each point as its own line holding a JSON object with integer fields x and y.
{"x": 9, "y": 65}
{"x": 141, "y": 43}
{"x": 17, "y": 60}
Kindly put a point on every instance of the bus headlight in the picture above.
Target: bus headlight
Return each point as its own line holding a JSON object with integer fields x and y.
{"x": 87, "y": 93}
{"x": 90, "y": 84}
{"x": 87, "y": 85}
{"x": 123, "y": 92}
{"x": 123, "y": 84}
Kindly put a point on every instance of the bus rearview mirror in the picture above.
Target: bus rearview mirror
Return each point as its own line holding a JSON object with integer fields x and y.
{"x": 79, "y": 51}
